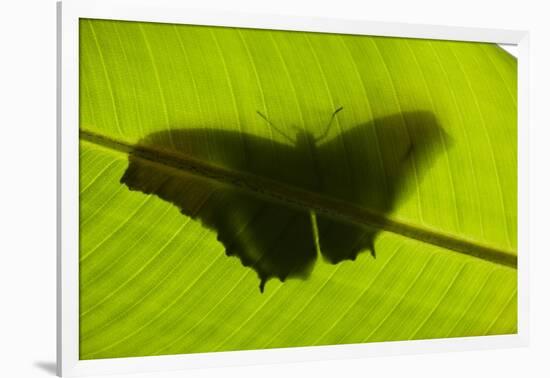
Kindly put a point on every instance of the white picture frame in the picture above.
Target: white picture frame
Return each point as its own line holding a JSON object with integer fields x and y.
{"x": 69, "y": 13}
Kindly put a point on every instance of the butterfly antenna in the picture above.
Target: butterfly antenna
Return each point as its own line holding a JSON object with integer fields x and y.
{"x": 329, "y": 124}
{"x": 273, "y": 126}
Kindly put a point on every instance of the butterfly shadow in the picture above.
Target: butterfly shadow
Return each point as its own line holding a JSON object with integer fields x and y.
{"x": 374, "y": 165}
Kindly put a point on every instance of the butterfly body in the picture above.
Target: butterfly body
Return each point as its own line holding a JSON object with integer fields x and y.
{"x": 305, "y": 140}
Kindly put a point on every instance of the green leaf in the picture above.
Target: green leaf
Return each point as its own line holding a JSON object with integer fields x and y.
{"x": 203, "y": 142}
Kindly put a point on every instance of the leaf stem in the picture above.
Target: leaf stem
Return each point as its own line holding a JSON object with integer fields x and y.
{"x": 303, "y": 199}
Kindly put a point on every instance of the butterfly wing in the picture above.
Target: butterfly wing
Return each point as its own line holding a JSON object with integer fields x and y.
{"x": 273, "y": 239}
{"x": 374, "y": 165}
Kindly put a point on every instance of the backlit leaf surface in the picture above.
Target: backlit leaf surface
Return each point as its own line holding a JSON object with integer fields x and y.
{"x": 426, "y": 139}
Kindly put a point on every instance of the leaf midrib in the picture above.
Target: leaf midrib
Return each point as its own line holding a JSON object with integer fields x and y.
{"x": 300, "y": 198}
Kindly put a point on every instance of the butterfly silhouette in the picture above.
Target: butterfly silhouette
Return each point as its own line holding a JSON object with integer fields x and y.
{"x": 372, "y": 165}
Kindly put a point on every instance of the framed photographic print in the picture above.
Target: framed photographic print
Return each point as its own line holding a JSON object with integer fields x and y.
{"x": 243, "y": 188}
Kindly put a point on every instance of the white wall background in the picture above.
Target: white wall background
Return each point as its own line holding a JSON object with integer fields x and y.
{"x": 27, "y": 187}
